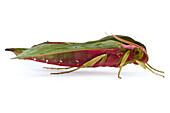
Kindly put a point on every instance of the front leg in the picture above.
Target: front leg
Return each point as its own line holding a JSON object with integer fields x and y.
{"x": 125, "y": 57}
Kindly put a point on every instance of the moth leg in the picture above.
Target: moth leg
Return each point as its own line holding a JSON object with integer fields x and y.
{"x": 57, "y": 68}
{"x": 65, "y": 71}
{"x": 87, "y": 64}
{"x": 125, "y": 57}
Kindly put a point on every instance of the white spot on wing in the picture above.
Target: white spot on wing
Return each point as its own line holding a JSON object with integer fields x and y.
{"x": 46, "y": 60}
{"x": 77, "y": 62}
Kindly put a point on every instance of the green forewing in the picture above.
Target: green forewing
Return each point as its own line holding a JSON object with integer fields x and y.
{"x": 122, "y": 37}
{"x": 108, "y": 42}
{"x": 45, "y": 49}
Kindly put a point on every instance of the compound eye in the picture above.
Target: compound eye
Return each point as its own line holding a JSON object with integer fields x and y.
{"x": 138, "y": 53}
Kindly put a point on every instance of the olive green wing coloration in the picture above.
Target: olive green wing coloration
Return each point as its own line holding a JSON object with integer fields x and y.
{"x": 108, "y": 42}
{"x": 110, "y": 37}
{"x": 49, "y": 49}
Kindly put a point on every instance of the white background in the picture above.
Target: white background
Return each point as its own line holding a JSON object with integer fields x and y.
{"x": 25, "y": 87}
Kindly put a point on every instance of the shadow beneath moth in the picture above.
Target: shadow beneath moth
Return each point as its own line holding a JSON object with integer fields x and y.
{"x": 111, "y": 51}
